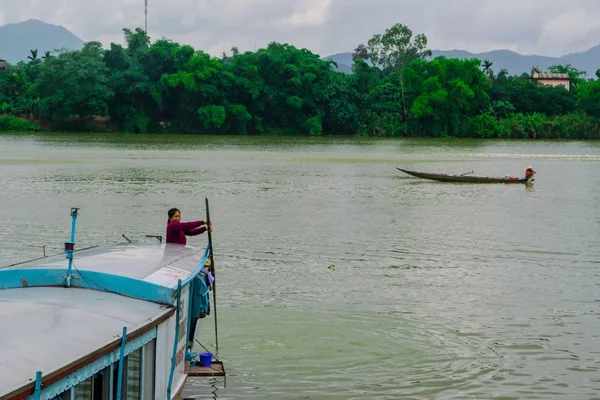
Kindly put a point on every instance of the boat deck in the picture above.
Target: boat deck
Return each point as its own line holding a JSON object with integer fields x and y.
{"x": 216, "y": 369}
{"x": 46, "y": 328}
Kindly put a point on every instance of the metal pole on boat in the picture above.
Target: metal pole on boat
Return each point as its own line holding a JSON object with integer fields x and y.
{"x": 70, "y": 246}
{"x": 38, "y": 385}
{"x": 121, "y": 358}
{"x": 174, "y": 356}
{"x": 212, "y": 271}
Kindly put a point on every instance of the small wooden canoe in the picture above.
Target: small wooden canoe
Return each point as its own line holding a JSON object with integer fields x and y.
{"x": 465, "y": 178}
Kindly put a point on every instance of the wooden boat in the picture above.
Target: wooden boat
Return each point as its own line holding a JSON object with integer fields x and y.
{"x": 465, "y": 178}
{"x": 115, "y": 323}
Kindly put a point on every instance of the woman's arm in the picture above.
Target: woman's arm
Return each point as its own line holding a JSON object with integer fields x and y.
{"x": 195, "y": 231}
{"x": 183, "y": 226}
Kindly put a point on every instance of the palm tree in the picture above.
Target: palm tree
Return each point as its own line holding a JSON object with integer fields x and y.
{"x": 487, "y": 69}
{"x": 33, "y": 58}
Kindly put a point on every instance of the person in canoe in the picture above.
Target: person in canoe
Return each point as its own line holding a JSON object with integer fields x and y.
{"x": 529, "y": 173}
{"x": 177, "y": 230}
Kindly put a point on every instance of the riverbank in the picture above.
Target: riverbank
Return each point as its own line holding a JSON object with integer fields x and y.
{"x": 161, "y": 86}
{"x": 573, "y": 126}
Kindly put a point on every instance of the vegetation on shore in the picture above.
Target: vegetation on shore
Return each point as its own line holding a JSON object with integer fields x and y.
{"x": 395, "y": 90}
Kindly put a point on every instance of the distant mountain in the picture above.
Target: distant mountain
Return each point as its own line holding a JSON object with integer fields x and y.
{"x": 514, "y": 63}
{"x": 16, "y": 40}
{"x": 343, "y": 60}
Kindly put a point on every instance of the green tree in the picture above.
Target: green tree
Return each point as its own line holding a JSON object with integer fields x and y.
{"x": 361, "y": 53}
{"x": 394, "y": 50}
{"x": 487, "y": 68}
{"x": 135, "y": 73}
{"x": 14, "y": 85}
{"x": 395, "y": 89}
{"x": 194, "y": 91}
{"x": 73, "y": 84}
{"x": 528, "y": 97}
{"x": 448, "y": 93}
{"x": 282, "y": 87}
{"x": 589, "y": 98}
{"x": 33, "y": 57}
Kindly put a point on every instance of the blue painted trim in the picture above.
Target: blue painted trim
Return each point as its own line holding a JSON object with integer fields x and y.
{"x": 38, "y": 385}
{"x": 85, "y": 372}
{"x": 189, "y": 317}
{"x": 198, "y": 268}
{"x": 121, "y": 359}
{"x": 174, "y": 358}
{"x": 31, "y": 277}
{"x": 70, "y": 252}
{"x": 126, "y": 286}
{"x": 73, "y": 222}
{"x": 131, "y": 287}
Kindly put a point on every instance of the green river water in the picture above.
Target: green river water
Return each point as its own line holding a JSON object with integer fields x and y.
{"x": 440, "y": 290}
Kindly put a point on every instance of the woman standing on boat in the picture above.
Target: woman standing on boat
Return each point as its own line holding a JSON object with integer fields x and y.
{"x": 177, "y": 230}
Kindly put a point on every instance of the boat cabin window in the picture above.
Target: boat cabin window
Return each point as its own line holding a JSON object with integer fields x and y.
{"x": 148, "y": 364}
{"x": 83, "y": 390}
{"x": 134, "y": 375}
{"x": 93, "y": 388}
{"x": 63, "y": 396}
{"x": 138, "y": 379}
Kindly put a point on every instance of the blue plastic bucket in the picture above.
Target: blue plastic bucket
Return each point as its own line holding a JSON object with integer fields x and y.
{"x": 205, "y": 359}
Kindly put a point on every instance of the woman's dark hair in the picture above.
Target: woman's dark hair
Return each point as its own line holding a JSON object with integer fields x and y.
{"x": 172, "y": 212}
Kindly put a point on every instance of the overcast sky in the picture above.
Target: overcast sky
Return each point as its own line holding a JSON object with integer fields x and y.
{"x": 544, "y": 27}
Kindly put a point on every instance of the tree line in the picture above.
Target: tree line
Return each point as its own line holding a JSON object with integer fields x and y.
{"x": 396, "y": 89}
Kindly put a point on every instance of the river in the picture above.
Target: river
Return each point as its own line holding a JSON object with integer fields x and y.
{"x": 439, "y": 290}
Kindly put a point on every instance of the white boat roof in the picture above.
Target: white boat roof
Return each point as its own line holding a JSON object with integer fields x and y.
{"x": 44, "y": 328}
{"x": 162, "y": 264}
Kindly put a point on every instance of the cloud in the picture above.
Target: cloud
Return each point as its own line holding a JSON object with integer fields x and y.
{"x": 578, "y": 25}
{"x": 548, "y": 27}
{"x": 307, "y": 14}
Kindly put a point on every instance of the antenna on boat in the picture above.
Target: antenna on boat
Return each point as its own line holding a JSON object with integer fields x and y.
{"x": 70, "y": 245}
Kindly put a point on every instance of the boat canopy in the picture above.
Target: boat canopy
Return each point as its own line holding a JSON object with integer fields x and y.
{"x": 161, "y": 264}
{"x": 48, "y": 328}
